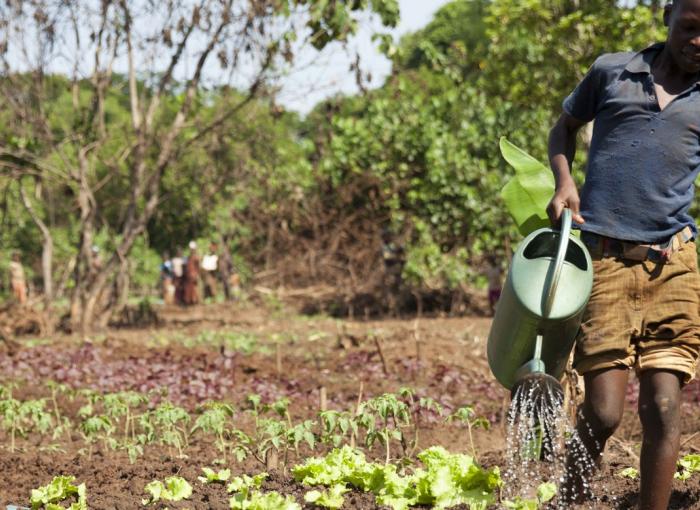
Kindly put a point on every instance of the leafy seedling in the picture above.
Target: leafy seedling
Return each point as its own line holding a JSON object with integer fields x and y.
{"x": 238, "y": 483}
{"x": 382, "y": 418}
{"x": 629, "y": 472}
{"x": 18, "y": 418}
{"x": 247, "y": 496}
{"x": 331, "y": 498}
{"x": 688, "y": 465}
{"x": 214, "y": 420}
{"x": 545, "y": 492}
{"x": 336, "y": 426}
{"x": 172, "y": 421}
{"x": 256, "y": 500}
{"x": 60, "y": 489}
{"x": 447, "y": 480}
{"x": 211, "y": 476}
{"x": 175, "y": 488}
{"x": 467, "y": 416}
{"x": 96, "y": 428}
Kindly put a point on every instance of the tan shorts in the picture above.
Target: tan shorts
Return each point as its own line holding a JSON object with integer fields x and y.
{"x": 642, "y": 315}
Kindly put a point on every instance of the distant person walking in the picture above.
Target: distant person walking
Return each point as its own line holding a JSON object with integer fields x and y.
{"x": 191, "y": 277}
{"x": 178, "y": 267}
{"x": 18, "y": 282}
{"x": 167, "y": 280}
{"x": 210, "y": 266}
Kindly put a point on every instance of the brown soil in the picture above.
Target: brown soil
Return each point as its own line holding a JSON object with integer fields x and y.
{"x": 441, "y": 358}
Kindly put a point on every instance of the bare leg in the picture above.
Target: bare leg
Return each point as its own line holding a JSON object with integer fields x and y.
{"x": 600, "y": 415}
{"x": 659, "y": 411}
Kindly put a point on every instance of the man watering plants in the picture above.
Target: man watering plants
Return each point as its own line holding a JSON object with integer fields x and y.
{"x": 633, "y": 214}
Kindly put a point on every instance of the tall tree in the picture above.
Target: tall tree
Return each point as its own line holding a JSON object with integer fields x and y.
{"x": 168, "y": 53}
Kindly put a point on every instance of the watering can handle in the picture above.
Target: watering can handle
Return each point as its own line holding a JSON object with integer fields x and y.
{"x": 564, "y": 232}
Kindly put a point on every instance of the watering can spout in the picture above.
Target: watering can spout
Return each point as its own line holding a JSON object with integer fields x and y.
{"x": 539, "y": 312}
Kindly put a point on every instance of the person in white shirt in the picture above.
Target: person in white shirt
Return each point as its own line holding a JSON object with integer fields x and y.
{"x": 210, "y": 266}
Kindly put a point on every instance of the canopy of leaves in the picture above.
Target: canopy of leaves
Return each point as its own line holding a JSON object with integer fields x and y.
{"x": 416, "y": 161}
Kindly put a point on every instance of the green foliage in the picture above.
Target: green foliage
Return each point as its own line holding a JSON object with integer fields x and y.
{"x": 211, "y": 476}
{"x": 382, "y": 418}
{"x": 687, "y": 466}
{"x": 237, "y": 341}
{"x": 256, "y": 500}
{"x": 247, "y": 496}
{"x": 336, "y": 426}
{"x": 467, "y": 416}
{"x": 215, "y": 420}
{"x": 60, "y": 489}
{"x": 331, "y": 498}
{"x": 18, "y": 417}
{"x": 630, "y": 472}
{"x": 457, "y": 29}
{"x": 545, "y": 492}
{"x": 333, "y": 21}
{"x": 250, "y": 482}
{"x": 175, "y": 488}
{"x": 418, "y": 157}
{"x": 527, "y": 194}
{"x": 447, "y": 479}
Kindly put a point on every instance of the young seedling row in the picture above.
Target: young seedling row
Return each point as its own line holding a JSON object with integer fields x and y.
{"x": 386, "y": 426}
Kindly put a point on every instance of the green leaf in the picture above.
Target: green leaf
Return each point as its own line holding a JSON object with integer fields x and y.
{"x": 688, "y": 465}
{"x": 60, "y": 488}
{"x": 629, "y": 472}
{"x": 211, "y": 476}
{"x": 546, "y": 491}
{"x": 240, "y": 483}
{"x": 527, "y": 194}
{"x": 175, "y": 488}
{"x": 262, "y": 501}
{"x": 331, "y": 498}
{"x": 448, "y": 480}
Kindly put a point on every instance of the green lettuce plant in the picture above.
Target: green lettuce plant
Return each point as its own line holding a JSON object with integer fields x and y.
{"x": 211, "y": 476}
{"x": 175, "y": 488}
{"x": 688, "y": 465}
{"x": 331, "y": 498}
{"x": 247, "y": 495}
{"x": 446, "y": 479}
{"x": 545, "y": 492}
{"x": 60, "y": 489}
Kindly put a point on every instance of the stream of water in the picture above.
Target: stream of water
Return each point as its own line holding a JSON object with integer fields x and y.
{"x": 542, "y": 445}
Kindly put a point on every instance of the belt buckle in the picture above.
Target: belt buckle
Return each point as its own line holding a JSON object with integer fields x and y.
{"x": 636, "y": 252}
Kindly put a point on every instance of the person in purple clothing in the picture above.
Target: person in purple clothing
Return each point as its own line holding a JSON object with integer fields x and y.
{"x": 634, "y": 216}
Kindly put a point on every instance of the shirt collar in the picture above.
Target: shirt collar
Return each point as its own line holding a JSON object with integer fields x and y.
{"x": 641, "y": 62}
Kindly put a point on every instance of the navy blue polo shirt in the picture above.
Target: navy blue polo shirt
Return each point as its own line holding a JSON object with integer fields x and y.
{"x": 643, "y": 161}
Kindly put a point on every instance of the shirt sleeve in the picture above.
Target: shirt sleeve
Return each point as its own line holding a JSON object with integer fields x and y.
{"x": 583, "y": 102}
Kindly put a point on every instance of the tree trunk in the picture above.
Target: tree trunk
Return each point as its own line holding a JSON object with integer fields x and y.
{"x": 46, "y": 261}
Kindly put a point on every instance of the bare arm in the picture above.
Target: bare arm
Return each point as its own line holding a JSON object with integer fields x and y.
{"x": 562, "y": 148}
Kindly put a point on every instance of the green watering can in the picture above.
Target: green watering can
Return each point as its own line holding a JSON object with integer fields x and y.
{"x": 540, "y": 308}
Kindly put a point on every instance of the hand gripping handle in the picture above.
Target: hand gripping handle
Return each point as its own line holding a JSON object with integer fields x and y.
{"x": 554, "y": 272}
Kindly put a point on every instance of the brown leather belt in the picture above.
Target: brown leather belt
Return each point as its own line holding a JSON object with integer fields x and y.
{"x": 609, "y": 247}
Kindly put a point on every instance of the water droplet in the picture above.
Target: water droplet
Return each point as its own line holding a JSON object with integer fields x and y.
{"x": 542, "y": 445}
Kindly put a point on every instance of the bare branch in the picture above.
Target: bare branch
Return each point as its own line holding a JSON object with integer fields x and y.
{"x": 133, "y": 90}
{"x": 174, "y": 60}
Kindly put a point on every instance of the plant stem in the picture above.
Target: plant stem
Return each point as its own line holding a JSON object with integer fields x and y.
{"x": 387, "y": 436}
{"x": 471, "y": 440}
